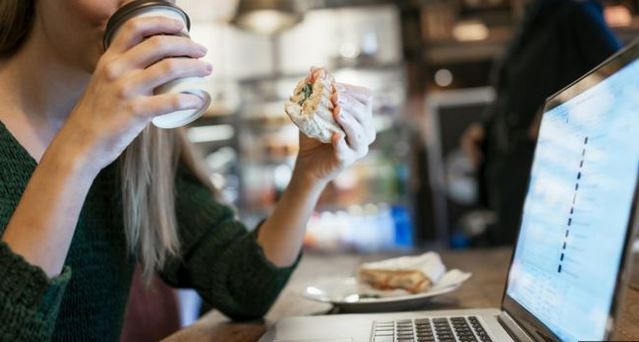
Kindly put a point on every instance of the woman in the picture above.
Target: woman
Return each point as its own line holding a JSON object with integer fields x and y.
{"x": 88, "y": 187}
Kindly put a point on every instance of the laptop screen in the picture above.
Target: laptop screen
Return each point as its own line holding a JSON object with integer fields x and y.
{"x": 578, "y": 206}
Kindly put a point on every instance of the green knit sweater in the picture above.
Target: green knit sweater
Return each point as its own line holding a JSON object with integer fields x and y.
{"x": 86, "y": 302}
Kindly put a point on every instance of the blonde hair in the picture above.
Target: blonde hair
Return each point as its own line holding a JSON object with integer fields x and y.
{"x": 147, "y": 172}
{"x": 147, "y": 167}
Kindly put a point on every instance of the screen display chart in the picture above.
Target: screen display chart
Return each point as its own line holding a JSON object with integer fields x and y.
{"x": 578, "y": 207}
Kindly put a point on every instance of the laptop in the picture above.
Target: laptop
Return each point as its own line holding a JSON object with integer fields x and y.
{"x": 566, "y": 273}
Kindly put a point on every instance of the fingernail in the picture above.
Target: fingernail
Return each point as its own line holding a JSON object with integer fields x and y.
{"x": 197, "y": 102}
{"x": 337, "y": 113}
{"x": 178, "y": 23}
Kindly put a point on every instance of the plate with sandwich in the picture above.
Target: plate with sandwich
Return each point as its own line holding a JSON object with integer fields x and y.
{"x": 402, "y": 283}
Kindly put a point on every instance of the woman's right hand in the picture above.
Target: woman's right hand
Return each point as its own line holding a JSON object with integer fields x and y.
{"x": 116, "y": 105}
{"x": 119, "y": 101}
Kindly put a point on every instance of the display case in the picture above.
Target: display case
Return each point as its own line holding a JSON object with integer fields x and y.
{"x": 458, "y": 211}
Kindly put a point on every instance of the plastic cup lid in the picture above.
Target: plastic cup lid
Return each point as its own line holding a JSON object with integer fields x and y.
{"x": 183, "y": 117}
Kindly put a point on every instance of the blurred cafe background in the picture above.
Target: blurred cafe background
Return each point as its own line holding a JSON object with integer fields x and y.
{"x": 429, "y": 64}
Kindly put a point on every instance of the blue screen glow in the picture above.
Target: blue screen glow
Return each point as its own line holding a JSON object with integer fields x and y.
{"x": 578, "y": 207}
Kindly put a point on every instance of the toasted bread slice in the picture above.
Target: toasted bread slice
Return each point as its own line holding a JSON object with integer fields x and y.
{"x": 411, "y": 281}
{"x": 412, "y": 273}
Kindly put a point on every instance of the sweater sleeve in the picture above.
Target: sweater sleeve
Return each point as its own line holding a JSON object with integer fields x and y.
{"x": 29, "y": 300}
{"x": 220, "y": 258}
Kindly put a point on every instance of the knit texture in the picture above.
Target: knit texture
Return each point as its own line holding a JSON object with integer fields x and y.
{"x": 86, "y": 302}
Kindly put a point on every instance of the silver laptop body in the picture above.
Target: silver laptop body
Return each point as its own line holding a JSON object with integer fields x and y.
{"x": 565, "y": 276}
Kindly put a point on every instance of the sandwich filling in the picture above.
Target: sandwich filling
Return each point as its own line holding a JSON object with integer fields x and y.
{"x": 311, "y": 107}
{"x": 306, "y": 92}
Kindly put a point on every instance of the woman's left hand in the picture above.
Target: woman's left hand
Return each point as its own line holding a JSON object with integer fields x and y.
{"x": 282, "y": 234}
{"x": 320, "y": 163}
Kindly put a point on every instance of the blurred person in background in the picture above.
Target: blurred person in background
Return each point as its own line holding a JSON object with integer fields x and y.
{"x": 557, "y": 42}
{"x": 88, "y": 187}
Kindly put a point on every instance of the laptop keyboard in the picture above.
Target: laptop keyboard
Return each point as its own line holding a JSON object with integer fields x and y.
{"x": 439, "y": 329}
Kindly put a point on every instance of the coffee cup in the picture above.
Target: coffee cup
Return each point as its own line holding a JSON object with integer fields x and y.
{"x": 189, "y": 85}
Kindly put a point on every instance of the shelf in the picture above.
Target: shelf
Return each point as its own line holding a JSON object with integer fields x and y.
{"x": 452, "y": 51}
{"x": 206, "y": 120}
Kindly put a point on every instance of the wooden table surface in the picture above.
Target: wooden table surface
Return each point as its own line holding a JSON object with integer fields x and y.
{"x": 483, "y": 290}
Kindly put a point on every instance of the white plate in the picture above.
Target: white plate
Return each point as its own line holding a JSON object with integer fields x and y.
{"x": 350, "y": 296}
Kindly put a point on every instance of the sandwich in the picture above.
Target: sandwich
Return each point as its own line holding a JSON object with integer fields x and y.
{"x": 311, "y": 106}
{"x": 414, "y": 274}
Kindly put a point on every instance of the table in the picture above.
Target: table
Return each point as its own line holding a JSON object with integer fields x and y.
{"x": 483, "y": 290}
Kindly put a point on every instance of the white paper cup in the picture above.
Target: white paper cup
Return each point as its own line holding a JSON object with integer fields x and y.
{"x": 189, "y": 85}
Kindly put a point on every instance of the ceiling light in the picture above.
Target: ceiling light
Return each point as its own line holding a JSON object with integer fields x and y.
{"x": 470, "y": 30}
{"x": 266, "y": 16}
{"x": 618, "y": 16}
{"x": 443, "y": 77}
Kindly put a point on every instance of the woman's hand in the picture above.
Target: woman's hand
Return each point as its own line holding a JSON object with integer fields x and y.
{"x": 321, "y": 163}
{"x": 281, "y": 235}
{"x": 117, "y": 104}
{"x": 119, "y": 101}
